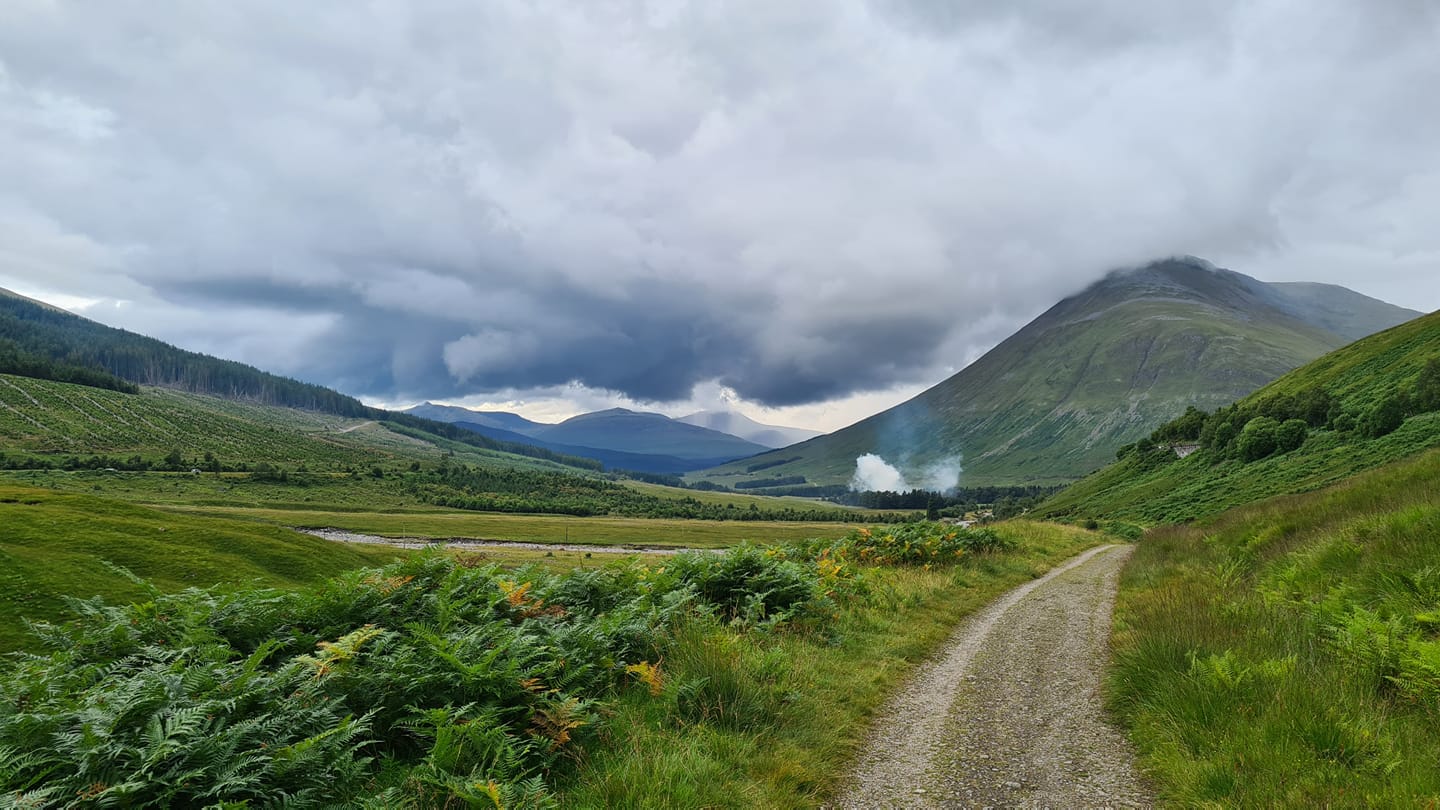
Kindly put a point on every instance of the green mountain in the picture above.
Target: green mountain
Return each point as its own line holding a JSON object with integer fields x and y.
{"x": 1096, "y": 371}
{"x": 1370, "y": 403}
{"x": 49, "y": 421}
{"x": 37, "y": 333}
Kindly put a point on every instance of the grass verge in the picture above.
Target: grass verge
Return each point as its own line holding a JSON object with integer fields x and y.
{"x": 773, "y": 720}
{"x": 1286, "y": 653}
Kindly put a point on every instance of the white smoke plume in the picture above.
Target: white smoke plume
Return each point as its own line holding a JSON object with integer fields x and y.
{"x": 873, "y": 473}
{"x": 940, "y": 476}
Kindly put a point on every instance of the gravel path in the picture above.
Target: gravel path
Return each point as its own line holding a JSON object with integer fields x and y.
{"x": 1010, "y": 713}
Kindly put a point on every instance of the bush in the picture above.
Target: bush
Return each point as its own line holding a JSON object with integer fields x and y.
{"x": 1383, "y": 418}
{"x": 1290, "y": 435}
{"x": 1258, "y": 439}
{"x": 919, "y": 543}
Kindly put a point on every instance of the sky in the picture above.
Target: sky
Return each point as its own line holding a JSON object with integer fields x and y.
{"x": 807, "y": 211}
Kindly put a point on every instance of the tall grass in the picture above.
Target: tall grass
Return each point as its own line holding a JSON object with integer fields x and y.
{"x": 1285, "y": 653}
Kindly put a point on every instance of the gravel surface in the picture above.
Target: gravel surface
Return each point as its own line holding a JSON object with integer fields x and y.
{"x": 342, "y": 536}
{"x": 1010, "y": 714}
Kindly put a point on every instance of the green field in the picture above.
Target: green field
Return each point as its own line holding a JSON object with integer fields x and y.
{"x": 1284, "y": 654}
{"x": 54, "y": 545}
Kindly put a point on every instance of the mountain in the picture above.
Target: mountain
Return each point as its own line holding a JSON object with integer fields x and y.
{"x": 57, "y": 421}
{"x": 41, "y": 342}
{"x": 1399, "y": 367}
{"x": 611, "y": 459}
{"x": 738, "y": 424}
{"x": 619, "y": 438}
{"x": 1344, "y": 312}
{"x": 514, "y": 423}
{"x": 1098, "y": 370}
{"x": 650, "y": 433}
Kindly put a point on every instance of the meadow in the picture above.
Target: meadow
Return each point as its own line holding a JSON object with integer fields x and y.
{"x": 1284, "y": 653}
{"x": 56, "y": 545}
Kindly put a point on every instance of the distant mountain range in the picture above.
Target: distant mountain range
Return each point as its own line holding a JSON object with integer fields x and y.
{"x": 1096, "y": 371}
{"x": 625, "y": 439}
{"x": 738, "y": 424}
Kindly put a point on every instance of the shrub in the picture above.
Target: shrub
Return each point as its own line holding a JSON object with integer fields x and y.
{"x": 1383, "y": 418}
{"x": 1258, "y": 439}
{"x": 1290, "y": 435}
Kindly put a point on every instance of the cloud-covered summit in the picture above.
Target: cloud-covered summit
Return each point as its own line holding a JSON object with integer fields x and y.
{"x": 797, "y": 201}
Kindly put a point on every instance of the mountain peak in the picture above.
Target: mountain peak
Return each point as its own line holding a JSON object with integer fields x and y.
{"x": 1097, "y": 370}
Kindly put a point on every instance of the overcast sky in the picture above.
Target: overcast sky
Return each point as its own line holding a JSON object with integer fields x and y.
{"x": 810, "y": 209}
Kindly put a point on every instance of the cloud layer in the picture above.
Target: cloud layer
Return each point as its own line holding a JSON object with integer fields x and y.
{"x": 797, "y": 201}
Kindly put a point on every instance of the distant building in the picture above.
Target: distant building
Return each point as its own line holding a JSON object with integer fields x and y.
{"x": 1183, "y": 450}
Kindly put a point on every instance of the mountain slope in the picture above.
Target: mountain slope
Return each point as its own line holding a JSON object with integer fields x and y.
{"x": 40, "y": 330}
{"x": 651, "y": 433}
{"x": 738, "y": 424}
{"x": 1153, "y": 488}
{"x": 43, "y": 418}
{"x": 514, "y": 423}
{"x": 618, "y": 438}
{"x": 1339, "y": 310}
{"x": 1099, "y": 369}
{"x": 611, "y": 459}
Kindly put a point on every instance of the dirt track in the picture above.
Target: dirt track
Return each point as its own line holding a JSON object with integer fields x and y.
{"x": 1009, "y": 713}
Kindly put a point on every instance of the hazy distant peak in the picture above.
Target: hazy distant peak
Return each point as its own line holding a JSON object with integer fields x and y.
{"x": 738, "y": 424}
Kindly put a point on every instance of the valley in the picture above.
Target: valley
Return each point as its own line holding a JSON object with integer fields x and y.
{"x": 829, "y": 405}
{"x": 586, "y": 634}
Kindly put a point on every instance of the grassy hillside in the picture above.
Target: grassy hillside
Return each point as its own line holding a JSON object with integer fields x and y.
{"x": 1285, "y": 653}
{"x": 41, "y": 331}
{"x": 54, "y": 545}
{"x": 54, "y": 419}
{"x": 1153, "y": 486}
{"x": 1100, "y": 369}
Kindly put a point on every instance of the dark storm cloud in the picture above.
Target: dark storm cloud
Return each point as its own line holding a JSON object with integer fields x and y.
{"x": 797, "y": 200}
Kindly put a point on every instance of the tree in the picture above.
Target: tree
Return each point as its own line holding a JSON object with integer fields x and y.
{"x": 1427, "y": 388}
{"x": 1313, "y": 405}
{"x": 1384, "y": 418}
{"x": 1290, "y": 435}
{"x": 1258, "y": 439}
{"x": 1186, "y": 427}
